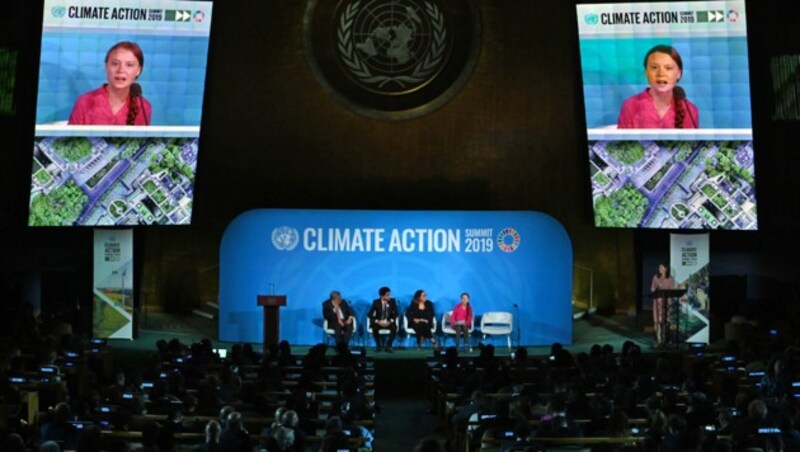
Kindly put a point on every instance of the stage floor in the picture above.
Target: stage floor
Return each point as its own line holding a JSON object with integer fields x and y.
{"x": 586, "y": 331}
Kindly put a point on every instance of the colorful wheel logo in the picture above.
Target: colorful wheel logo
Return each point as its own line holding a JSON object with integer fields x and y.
{"x": 508, "y": 240}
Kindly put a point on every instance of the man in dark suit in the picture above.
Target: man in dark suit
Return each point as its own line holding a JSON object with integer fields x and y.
{"x": 340, "y": 317}
{"x": 382, "y": 315}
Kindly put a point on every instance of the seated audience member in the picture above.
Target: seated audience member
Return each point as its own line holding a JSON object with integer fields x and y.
{"x": 752, "y": 430}
{"x": 791, "y": 437}
{"x": 556, "y": 423}
{"x": 58, "y": 429}
{"x": 49, "y": 446}
{"x": 494, "y": 421}
{"x": 14, "y": 443}
{"x": 680, "y": 437}
{"x": 477, "y": 403}
{"x": 353, "y": 404}
{"x": 291, "y": 421}
{"x": 235, "y": 437}
{"x": 522, "y": 438}
{"x": 560, "y": 357}
{"x": 285, "y": 356}
{"x": 334, "y": 439}
{"x": 212, "y": 431}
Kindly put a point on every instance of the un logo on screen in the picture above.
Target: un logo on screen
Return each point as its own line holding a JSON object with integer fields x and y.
{"x": 59, "y": 11}
{"x": 592, "y": 18}
{"x": 285, "y": 238}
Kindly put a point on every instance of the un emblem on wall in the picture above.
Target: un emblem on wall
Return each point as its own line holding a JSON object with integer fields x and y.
{"x": 392, "y": 59}
{"x": 285, "y": 238}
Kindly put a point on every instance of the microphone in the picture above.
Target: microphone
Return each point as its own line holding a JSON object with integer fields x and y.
{"x": 680, "y": 96}
{"x": 136, "y": 92}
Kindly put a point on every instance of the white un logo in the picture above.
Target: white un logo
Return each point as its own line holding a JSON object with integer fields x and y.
{"x": 285, "y": 238}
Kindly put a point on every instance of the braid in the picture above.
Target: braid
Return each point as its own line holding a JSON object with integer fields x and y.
{"x": 679, "y": 113}
{"x": 133, "y": 109}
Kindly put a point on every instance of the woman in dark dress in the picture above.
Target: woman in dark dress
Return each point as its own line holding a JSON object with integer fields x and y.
{"x": 420, "y": 317}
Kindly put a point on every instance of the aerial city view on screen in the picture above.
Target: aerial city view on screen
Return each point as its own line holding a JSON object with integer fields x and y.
{"x": 673, "y": 184}
{"x": 112, "y": 181}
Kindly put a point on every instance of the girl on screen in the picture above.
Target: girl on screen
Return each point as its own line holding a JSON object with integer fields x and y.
{"x": 662, "y": 105}
{"x": 119, "y": 101}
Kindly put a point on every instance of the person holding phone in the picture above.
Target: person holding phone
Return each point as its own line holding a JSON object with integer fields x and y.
{"x": 663, "y": 104}
{"x": 461, "y": 320}
{"x": 119, "y": 101}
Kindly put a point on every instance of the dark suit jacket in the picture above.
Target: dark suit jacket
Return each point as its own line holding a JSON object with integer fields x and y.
{"x": 330, "y": 315}
{"x": 375, "y": 310}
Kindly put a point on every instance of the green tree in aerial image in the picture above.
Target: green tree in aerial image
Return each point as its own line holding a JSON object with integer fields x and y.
{"x": 626, "y": 152}
{"x": 61, "y": 207}
{"x": 170, "y": 160}
{"x": 725, "y": 163}
{"x": 73, "y": 149}
{"x": 624, "y": 208}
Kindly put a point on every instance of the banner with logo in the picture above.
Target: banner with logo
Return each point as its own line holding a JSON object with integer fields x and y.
{"x": 112, "y": 313}
{"x": 689, "y": 259}
{"x": 501, "y": 259}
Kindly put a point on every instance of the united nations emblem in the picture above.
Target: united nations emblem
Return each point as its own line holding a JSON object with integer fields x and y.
{"x": 285, "y": 238}
{"x": 392, "y": 59}
{"x": 391, "y": 47}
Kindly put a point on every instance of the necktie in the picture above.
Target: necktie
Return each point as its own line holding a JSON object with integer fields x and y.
{"x": 383, "y": 310}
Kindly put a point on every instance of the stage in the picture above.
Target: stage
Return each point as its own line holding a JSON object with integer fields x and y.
{"x": 587, "y": 331}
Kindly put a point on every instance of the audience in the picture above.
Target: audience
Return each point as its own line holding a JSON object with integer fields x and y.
{"x": 665, "y": 401}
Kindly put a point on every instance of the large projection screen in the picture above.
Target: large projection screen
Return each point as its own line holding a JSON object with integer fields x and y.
{"x": 103, "y": 155}
{"x": 667, "y": 98}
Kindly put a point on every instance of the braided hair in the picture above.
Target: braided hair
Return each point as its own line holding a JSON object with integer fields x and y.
{"x": 133, "y": 106}
{"x": 680, "y": 112}
{"x": 135, "y": 94}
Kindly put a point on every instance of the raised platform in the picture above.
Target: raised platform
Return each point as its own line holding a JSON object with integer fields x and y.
{"x": 587, "y": 331}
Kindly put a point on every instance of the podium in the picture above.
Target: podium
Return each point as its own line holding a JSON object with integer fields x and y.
{"x": 271, "y": 304}
{"x": 671, "y": 297}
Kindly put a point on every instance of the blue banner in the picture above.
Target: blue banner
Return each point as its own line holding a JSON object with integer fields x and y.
{"x": 501, "y": 259}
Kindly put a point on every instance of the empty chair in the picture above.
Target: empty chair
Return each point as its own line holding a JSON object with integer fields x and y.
{"x": 497, "y": 324}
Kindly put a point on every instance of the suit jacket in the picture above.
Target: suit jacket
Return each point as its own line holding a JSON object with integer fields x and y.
{"x": 374, "y": 312}
{"x": 329, "y": 314}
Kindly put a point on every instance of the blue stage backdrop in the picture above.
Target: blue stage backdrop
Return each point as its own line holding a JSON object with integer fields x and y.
{"x": 500, "y": 258}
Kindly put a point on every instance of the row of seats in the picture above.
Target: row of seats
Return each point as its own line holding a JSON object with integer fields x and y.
{"x": 491, "y": 324}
